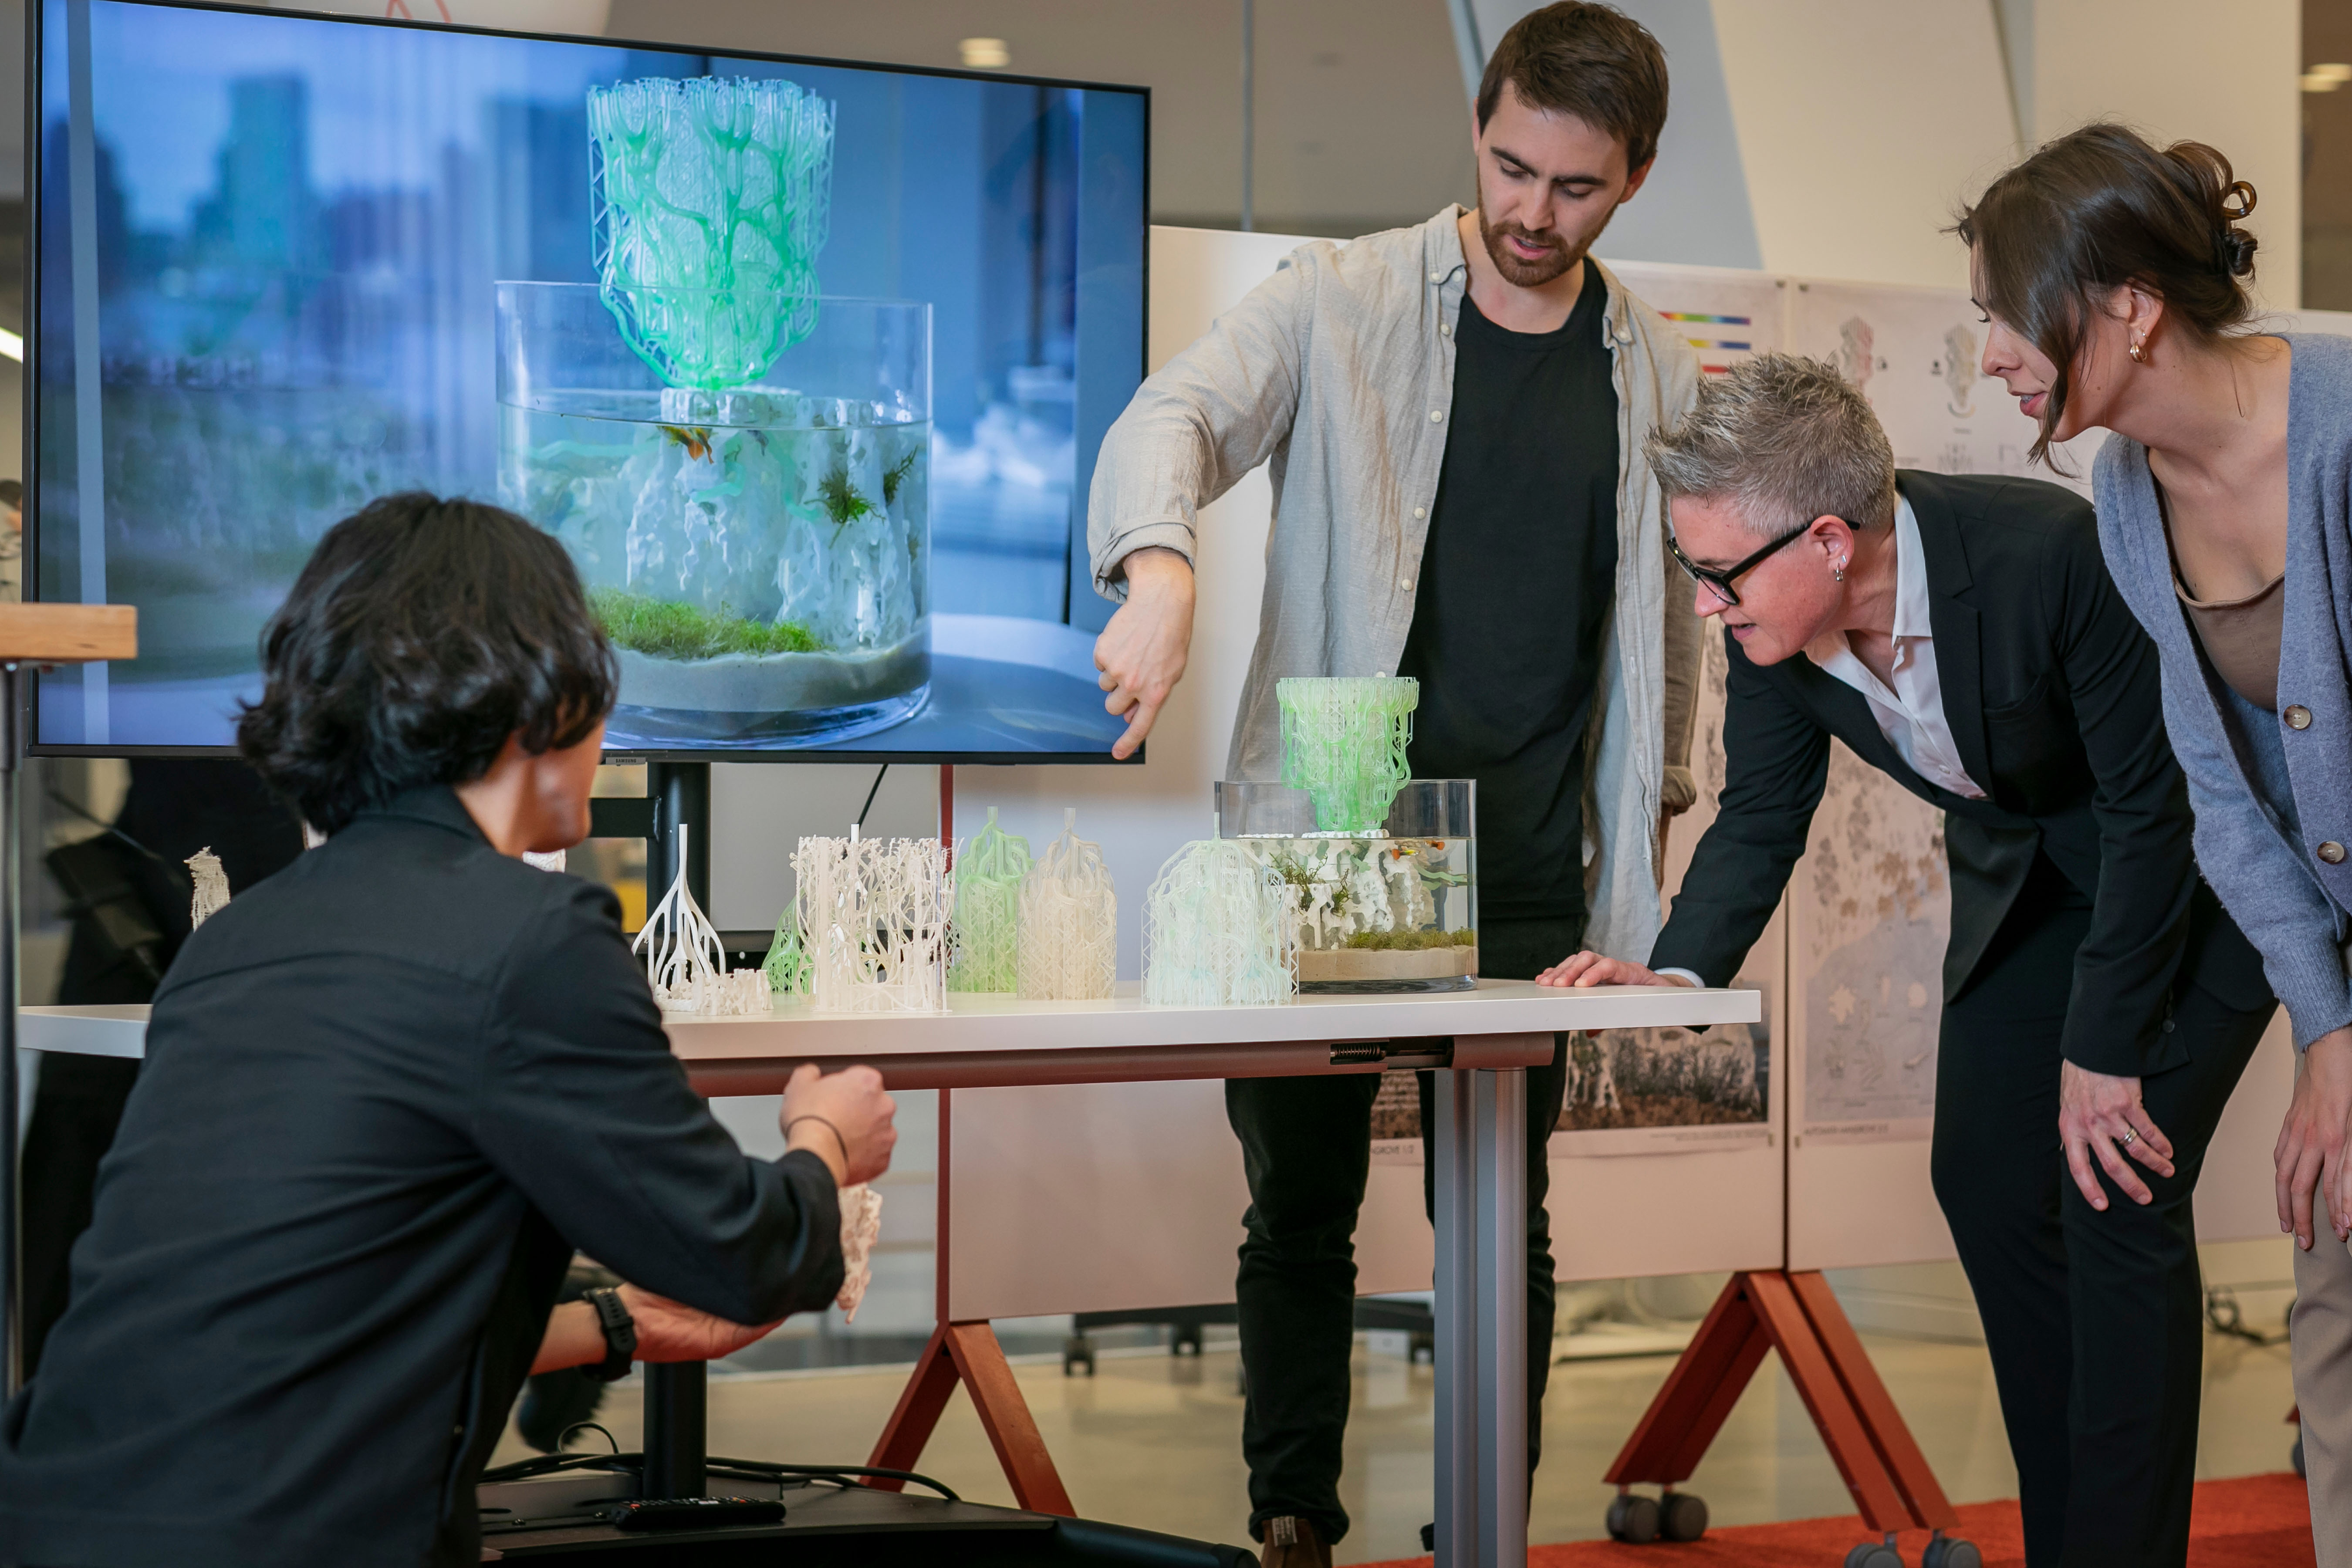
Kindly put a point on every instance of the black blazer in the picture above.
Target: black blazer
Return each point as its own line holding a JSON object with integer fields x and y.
{"x": 2052, "y": 691}
{"x": 387, "y": 1092}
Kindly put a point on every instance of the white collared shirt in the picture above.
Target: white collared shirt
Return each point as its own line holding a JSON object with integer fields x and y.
{"x": 1911, "y": 715}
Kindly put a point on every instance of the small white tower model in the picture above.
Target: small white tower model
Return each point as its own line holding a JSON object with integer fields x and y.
{"x": 212, "y": 887}
{"x": 1069, "y": 948}
{"x": 686, "y": 964}
{"x": 874, "y": 916}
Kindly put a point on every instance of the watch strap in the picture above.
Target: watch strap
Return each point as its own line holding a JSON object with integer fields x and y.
{"x": 620, "y": 1335}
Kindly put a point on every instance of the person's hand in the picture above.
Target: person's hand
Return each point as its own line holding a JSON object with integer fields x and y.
{"x": 1593, "y": 969}
{"x": 2100, "y": 1116}
{"x": 1141, "y": 653}
{"x": 672, "y": 1330}
{"x": 2310, "y": 1152}
{"x": 850, "y": 1124}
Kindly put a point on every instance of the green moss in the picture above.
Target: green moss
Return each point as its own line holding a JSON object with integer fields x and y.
{"x": 661, "y": 629}
{"x": 1412, "y": 941}
{"x": 896, "y": 477}
{"x": 841, "y": 501}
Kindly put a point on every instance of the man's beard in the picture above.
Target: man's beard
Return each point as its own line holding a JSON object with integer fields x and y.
{"x": 1516, "y": 269}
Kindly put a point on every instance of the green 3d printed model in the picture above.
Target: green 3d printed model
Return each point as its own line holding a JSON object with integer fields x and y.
{"x": 710, "y": 202}
{"x": 987, "y": 910}
{"x": 1343, "y": 742}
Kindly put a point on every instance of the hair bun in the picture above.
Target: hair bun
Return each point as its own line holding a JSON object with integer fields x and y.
{"x": 2235, "y": 249}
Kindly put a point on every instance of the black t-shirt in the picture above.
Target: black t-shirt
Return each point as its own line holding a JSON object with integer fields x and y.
{"x": 1517, "y": 581}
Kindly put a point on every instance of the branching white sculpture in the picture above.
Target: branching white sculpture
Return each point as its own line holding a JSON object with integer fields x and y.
{"x": 685, "y": 963}
{"x": 1218, "y": 930}
{"x": 212, "y": 887}
{"x": 873, "y": 918}
{"x": 1069, "y": 922}
{"x": 988, "y": 877}
{"x": 861, "y": 1228}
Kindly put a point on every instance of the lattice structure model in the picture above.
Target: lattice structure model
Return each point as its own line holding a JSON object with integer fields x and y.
{"x": 1069, "y": 922}
{"x": 787, "y": 963}
{"x": 861, "y": 1228}
{"x": 1345, "y": 887}
{"x": 711, "y": 200}
{"x": 212, "y": 887}
{"x": 685, "y": 963}
{"x": 988, "y": 876}
{"x": 1218, "y": 930}
{"x": 874, "y": 914}
{"x": 1343, "y": 742}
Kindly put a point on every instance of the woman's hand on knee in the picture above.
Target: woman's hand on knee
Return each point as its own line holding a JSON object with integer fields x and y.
{"x": 2309, "y": 1158}
{"x": 2100, "y": 1118}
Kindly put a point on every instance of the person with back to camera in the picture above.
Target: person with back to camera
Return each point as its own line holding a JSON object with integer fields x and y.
{"x": 2114, "y": 276}
{"x": 1959, "y": 633}
{"x": 1454, "y": 416}
{"x": 387, "y": 1092}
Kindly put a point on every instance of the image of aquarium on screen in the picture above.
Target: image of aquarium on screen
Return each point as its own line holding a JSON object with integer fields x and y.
{"x": 805, "y": 365}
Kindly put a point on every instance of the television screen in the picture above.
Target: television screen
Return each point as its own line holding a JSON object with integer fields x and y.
{"x": 805, "y": 363}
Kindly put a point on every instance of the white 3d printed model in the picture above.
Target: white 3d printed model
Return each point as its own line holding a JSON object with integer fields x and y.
{"x": 861, "y": 1228}
{"x": 874, "y": 917}
{"x": 1218, "y": 930}
{"x": 685, "y": 963}
{"x": 988, "y": 910}
{"x": 212, "y": 887}
{"x": 1069, "y": 922}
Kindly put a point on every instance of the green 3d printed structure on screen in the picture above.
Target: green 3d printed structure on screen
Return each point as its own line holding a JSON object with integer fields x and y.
{"x": 710, "y": 198}
{"x": 1343, "y": 742}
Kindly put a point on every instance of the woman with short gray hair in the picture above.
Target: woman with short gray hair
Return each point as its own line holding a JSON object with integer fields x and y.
{"x": 1960, "y": 634}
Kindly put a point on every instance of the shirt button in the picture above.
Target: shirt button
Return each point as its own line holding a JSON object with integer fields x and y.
{"x": 1445, "y": 329}
{"x": 1406, "y": 583}
{"x": 2298, "y": 716}
{"x": 1433, "y": 276}
{"x": 2331, "y": 852}
{"x": 1420, "y": 511}
{"x": 1436, "y": 415}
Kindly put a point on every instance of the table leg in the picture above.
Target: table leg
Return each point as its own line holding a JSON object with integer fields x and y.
{"x": 1482, "y": 1303}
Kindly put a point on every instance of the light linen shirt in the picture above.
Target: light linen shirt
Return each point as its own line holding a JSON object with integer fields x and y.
{"x": 1337, "y": 374}
{"x": 1911, "y": 715}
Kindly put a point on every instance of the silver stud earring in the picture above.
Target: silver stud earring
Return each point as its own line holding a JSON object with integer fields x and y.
{"x": 1837, "y": 573}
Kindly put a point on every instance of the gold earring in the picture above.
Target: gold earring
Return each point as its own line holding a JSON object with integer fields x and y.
{"x": 2138, "y": 351}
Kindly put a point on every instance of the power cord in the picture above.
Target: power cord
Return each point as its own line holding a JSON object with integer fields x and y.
{"x": 731, "y": 1469}
{"x": 870, "y": 793}
{"x": 2224, "y": 1316}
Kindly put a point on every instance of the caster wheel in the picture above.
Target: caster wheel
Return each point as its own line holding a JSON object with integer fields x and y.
{"x": 1681, "y": 1516}
{"x": 1873, "y": 1555}
{"x": 1634, "y": 1520}
{"x": 1185, "y": 1342}
{"x": 1429, "y": 1537}
{"x": 1420, "y": 1348}
{"x": 1946, "y": 1552}
{"x": 2295, "y": 1455}
{"x": 1078, "y": 1351}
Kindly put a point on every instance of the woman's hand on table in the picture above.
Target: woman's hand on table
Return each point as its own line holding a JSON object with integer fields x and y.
{"x": 1586, "y": 969}
{"x": 2309, "y": 1158}
{"x": 2100, "y": 1117}
{"x": 844, "y": 1119}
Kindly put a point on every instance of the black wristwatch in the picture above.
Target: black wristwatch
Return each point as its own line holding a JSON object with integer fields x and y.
{"x": 620, "y": 1336}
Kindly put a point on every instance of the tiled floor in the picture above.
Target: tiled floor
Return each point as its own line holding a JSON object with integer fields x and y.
{"x": 1154, "y": 1441}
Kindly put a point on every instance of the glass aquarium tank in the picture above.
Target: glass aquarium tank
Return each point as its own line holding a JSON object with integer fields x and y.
{"x": 1389, "y": 909}
{"x": 759, "y": 554}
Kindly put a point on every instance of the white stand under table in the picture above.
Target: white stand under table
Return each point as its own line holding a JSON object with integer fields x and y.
{"x": 1479, "y": 1042}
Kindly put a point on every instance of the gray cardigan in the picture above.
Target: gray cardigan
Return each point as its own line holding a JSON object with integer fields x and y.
{"x": 2261, "y": 859}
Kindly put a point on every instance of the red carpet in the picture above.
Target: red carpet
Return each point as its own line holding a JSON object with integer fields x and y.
{"x": 2256, "y": 1521}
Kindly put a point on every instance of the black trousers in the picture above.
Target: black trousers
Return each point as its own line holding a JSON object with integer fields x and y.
{"x": 1306, "y": 1150}
{"x": 2094, "y": 1321}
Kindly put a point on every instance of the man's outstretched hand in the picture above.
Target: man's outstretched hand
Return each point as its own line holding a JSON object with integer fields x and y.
{"x": 1593, "y": 969}
{"x": 1143, "y": 652}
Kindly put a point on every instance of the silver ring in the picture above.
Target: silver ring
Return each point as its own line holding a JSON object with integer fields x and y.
{"x": 2126, "y": 1140}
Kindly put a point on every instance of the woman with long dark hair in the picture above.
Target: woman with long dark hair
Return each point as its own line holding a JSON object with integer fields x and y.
{"x": 2114, "y": 276}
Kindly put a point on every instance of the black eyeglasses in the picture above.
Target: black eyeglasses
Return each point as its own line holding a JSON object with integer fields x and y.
{"x": 1718, "y": 583}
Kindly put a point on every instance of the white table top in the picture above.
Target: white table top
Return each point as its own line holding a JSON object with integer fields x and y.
{"x": 1002, "y": 1026}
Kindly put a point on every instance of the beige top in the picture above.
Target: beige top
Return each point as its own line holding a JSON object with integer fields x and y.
{"x": 2242, "y": 638}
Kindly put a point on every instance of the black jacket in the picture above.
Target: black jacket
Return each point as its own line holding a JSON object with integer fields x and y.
{"x": 2052, "y": 691}
{"x": 387, "y": 1091}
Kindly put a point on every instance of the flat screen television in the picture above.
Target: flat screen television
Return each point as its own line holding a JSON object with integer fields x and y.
{"x": 805, "y": 363}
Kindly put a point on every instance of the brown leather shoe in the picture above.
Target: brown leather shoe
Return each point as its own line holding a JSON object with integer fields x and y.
{"x": 1292, "y": 1542}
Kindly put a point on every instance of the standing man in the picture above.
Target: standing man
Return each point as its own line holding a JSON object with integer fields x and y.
{"x": 1455, "y": 414}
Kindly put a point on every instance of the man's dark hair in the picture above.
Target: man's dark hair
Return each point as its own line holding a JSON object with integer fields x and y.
{"x": 1588, "y": 61}
{"x": 422, "y": 632}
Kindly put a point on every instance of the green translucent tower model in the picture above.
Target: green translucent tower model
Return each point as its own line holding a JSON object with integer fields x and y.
{"x": 710, "y": 200}
{"x": 1343, "y": 742}
{"x": 987, "y": 910}
{"x": 787, "y": 963}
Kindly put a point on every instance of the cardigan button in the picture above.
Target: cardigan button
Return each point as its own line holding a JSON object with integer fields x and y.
{"x": 2298, "y": 716}
{"x": 2331, "y": 852}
